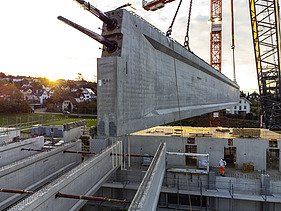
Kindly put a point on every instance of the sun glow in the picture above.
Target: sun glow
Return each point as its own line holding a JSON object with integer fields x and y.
{"x": 52, "y": 80}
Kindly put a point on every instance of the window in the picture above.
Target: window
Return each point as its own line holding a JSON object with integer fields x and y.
{"x": 230, "y": 142}
{"x": 234, "y": 107}
{"x": 240, "y": 108}
{"x": 273, "y": 143}
{"x": 245, "y": 107}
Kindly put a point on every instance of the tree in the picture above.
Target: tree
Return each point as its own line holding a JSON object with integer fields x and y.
{"x": 80, "y": 77}
{"x": 12, "y": 100}
{"x": 88, "y": 107}
{"x": 2, "y": 75}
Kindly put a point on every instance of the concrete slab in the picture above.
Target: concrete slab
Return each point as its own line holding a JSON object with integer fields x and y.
{"x": 151, "y": 77}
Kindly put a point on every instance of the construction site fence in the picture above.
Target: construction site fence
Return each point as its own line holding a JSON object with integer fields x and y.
{"x": 19, "y": 124}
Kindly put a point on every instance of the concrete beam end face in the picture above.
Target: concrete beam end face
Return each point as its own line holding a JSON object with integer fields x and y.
{"x": 151, "y": 77}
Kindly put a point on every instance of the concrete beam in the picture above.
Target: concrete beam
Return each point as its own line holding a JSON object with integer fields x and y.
{"x": 35, "y": 171}
{"x": 151, "y": 77}
{"x": 148, "y": 192}
{"x": 85, "y": 179}
{"x": 12, "y": 152}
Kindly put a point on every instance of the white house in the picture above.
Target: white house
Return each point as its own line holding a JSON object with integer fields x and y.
{"x": 87, "y": 94}
{"x": 43, "y": 96}
{"x": 244, "y": 106}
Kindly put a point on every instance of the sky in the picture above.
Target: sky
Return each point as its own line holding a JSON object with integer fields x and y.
{"x": 34, "y": 43}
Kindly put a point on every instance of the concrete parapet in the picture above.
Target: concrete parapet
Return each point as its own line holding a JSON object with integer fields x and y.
{"x": 148, "y": 192}
{"x": 12, "y": 152}
{"x": 85, "y": 179}
{"x": 35, "y": 171}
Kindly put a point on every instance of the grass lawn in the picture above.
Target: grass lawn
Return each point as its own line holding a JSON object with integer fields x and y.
{"x": 25, "y": 120}
{"x": 89, "y": 121}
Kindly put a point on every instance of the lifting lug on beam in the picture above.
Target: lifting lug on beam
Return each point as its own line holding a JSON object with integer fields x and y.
{"x": 89, "y": 198}
{"x": 18, "y": 191}
{"x": 110, "y": 23}
{"x": 132, "y": 155}
{"x": 79, "y": 152}
{"x": 111, "y": 46}
{"x": 33, "y": 150}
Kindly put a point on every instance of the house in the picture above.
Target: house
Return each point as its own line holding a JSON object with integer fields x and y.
{"x": 87, "y": 94}
{"x": 17, "y": 80}
{"x": 243, "y": 107}
{"x": 29, "y": 95}
{"x": 84, "y": 94}
{"x": 42, "y": 95}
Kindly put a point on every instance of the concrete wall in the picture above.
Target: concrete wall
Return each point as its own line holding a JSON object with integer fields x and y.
{"x": 36, "y": 171}
{"x": 148, "y": 145}
{"x": 10, "y": 132}
{"x": 97, "y": 145}
{"x": 85, "y": 179}
{"x": 138, "y": 83}
{"x": 12, "y": 152}
{"x": 55, "y": 131}
{"x": 72, "y": 131}
{"x": 251, "y": 150}
{"x": 248, "y": 150}
{"x": 4, "y": 139}
{"x": 72, "y": 134}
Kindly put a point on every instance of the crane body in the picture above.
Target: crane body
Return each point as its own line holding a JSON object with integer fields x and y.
{"x": 265, "y": 22}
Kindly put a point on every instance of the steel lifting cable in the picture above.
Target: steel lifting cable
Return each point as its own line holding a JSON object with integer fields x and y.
{"x": 169, "y": 32}
{"x": 186, "y": 38}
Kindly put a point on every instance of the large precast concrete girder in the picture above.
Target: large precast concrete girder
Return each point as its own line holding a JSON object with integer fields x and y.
{"x": 148, "y": 192}
{"x": 84, "y": 179}
{"x": 152, "y": 80}
{"x": 12, "y": 152}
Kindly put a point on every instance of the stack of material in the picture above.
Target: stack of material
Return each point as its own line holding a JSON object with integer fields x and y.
{"x": 248, "y": 167}
{"x": 247, "y": 132}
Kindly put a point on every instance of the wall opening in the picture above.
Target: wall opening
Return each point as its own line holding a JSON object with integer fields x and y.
{"x": 272, "y": 159}
{"x": 190, "y": 161}
{"x": 230, "y": 156}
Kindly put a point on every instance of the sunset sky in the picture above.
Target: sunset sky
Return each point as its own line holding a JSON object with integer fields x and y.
{"x": 34, "y": 43}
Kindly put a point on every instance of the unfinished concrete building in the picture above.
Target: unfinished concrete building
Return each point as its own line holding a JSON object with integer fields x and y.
{"x": 147, "y": 80}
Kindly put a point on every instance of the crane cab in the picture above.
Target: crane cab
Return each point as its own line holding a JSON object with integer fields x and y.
{"x": 153, "y": 5}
